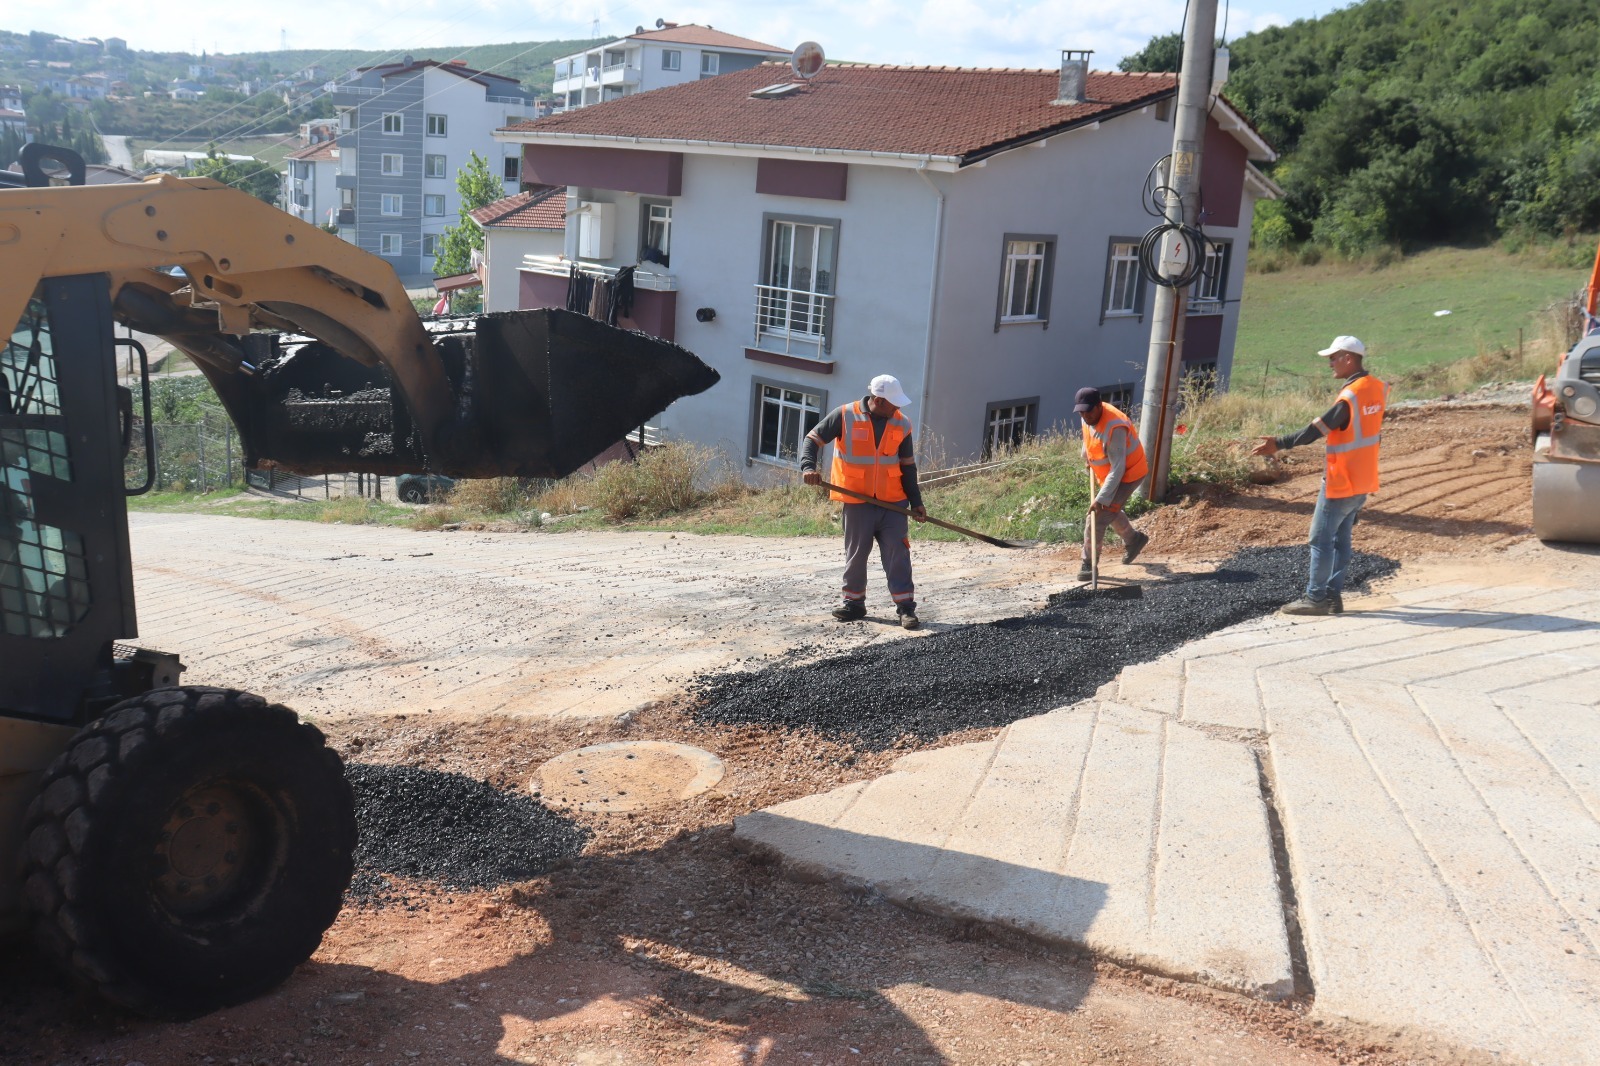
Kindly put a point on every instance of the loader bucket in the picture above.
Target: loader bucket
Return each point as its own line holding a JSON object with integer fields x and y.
{"x": 532, "y": 394}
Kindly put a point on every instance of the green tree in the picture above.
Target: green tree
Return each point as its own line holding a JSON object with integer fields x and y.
{"x": 1163, "y": 53}
{"x": 478, "y": 187}
{"x": 249, "y": 175}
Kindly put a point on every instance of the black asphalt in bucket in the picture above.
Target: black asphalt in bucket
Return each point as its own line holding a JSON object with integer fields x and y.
{"x": 451, "y": 830}
{"x": 992, "y": 674}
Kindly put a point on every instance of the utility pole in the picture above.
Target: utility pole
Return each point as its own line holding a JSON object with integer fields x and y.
{"x": 1165, "y": 364}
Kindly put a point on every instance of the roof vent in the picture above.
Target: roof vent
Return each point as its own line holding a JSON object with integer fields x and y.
{"x": 1074, "y": 77}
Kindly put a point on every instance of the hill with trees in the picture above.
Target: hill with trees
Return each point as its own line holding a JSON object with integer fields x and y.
{"x": 1419, "y": 121}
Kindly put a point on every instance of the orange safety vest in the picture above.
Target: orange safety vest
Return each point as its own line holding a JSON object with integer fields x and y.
{"x": 1094, "y": 446}
{"x": 1353, "y": 451}
{"x": 864, "y": 465}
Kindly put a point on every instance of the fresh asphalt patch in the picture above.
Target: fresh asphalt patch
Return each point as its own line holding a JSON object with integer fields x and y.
{"x": 994, "y": 673}
{"x": 450, "y": 830}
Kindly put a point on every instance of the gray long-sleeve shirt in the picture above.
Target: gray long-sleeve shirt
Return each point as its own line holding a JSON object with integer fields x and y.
{"x": 832, "y": 425}
{"x": 1117, "y": 453}
{"x": 1336, "y": 417}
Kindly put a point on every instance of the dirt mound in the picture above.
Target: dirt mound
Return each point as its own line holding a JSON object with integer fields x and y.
{"x": 1455, "y": 479}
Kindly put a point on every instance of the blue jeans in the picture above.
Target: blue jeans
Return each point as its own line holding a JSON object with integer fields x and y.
{"x": 1331, "y": 524}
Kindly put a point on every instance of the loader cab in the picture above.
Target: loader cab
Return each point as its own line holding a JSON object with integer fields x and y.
{"x": 66, "y": 582}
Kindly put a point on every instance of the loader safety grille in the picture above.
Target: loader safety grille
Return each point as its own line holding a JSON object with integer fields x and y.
{"x": 44, "y": 576}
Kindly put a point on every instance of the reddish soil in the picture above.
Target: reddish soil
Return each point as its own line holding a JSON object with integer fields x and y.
{"x": 664, "y": 943}
{"x": 1455, "y": 480}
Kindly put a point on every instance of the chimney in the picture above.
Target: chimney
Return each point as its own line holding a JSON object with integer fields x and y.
{"x": 1074, "y": 77}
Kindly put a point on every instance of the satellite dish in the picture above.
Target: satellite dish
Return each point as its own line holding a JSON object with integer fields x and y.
{"x": 807, "y": 60}
{"x": 638, "y": 29}
{"x": 661, "y": 24}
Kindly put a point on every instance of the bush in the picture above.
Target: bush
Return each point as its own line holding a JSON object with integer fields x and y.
{"x": 662, "y": 481}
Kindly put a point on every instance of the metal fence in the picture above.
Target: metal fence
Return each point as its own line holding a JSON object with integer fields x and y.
{"x": 206, "y": 456}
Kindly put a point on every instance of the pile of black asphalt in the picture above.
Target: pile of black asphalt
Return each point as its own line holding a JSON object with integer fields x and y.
{"x": 992, "y": 674}
{"x": 450, "y": 830}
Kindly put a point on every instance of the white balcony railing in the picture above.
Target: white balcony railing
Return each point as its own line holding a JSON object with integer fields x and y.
{"x": 793, "y": 321}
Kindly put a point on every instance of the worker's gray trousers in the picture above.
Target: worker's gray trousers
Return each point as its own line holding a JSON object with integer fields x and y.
{"x": 865, "y": 523}
{"x": 1117, "y": 520}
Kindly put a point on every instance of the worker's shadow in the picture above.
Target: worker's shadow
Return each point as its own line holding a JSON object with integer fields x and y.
{"x": 688, "y": 946}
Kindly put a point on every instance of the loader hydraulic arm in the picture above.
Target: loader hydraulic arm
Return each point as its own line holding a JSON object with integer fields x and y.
{"x": 314, "y": 347}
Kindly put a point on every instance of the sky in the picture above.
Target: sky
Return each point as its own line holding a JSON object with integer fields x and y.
{"x": 968, "y": 33}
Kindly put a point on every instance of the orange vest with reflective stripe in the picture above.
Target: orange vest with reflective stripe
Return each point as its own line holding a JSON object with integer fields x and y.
{"x": 864, "y": 465}
{"x": 1094, "y": 446}
{"x": 1353, "y": 451}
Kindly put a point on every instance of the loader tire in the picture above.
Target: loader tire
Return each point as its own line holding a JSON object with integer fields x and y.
{"x": 189, "y": 849}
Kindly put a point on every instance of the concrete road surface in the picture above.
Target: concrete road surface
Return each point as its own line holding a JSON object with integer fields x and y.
{"x": 1394, "y": 814}
{"x": 336, "y": 619}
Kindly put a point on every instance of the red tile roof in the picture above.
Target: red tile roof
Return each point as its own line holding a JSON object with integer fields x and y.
{"x": 703, "y": 36}
{"x": 538, "y": 208}
{"x": 320, "y": 150}
{"x": 947, "y": 112}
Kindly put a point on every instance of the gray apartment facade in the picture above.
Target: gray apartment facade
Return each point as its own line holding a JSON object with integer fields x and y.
{"x": 405, "y": 129}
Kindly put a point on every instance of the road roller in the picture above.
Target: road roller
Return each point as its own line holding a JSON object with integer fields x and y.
{"x": 1566, "y": 436}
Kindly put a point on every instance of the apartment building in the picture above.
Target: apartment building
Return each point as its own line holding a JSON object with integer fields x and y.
{"x": 652, "y": 59}
{"x": 973, "y": 232}
{"x": 405, "y": 129}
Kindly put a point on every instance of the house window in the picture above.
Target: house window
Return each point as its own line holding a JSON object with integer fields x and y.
{"x": 433, "y": 204}
{"x": 1120, "y": 397}
{"x": 671, "y": 59}
{"x": 796, "y": 297}
{"x": 1008, "y": 424}
{"x": 430, "y": 244}
{"x": 1025, "y": 278}
{"x": 392, "y": 164}
{"x": 433, "y": 166}
{"x": 391, "y": 204}
{"x": 1124, "y": 294}
{"x": 394, "y": 123}
{"x": 1206, "y": 293}
{"x": 710, "y": 62}
{"x": 784, "y": 415}
{"x": 388, "y": 244}
{"x": 655, "y": 234}
{"x": 513, "y": 168}
{"x": 347, "y": 119}
{"x": 437, "y": 124}
{"x": 347, "y": 198}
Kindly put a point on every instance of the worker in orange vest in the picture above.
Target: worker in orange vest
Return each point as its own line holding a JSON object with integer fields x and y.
{"x": 872, "y": 455}
{"x": 1353, "y": 426}
{"x": 1116, "y": 462}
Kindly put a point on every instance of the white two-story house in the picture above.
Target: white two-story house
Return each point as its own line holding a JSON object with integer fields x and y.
{"x": 310, "y": 183}
{"x": 652, "y": 59}
{"x": 973, "y": 232}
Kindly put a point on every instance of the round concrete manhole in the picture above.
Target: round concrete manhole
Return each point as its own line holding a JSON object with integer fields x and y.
{"x": 628, "y": 775}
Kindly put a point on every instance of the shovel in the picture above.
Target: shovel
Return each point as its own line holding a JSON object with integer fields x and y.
{"x": 898, "y": 509}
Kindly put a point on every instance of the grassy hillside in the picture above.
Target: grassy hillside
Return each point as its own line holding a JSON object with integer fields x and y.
{"x": 1490, "y": 293}
{"x": 1423, "y": 121}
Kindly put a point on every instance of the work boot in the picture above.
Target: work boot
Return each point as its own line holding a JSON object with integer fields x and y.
{"x": 850, "y": 611}
{"x": 1085, "y": 572}
{"x": 1307, "y": 606}
{"x": 1134, "y": 545}
{"x": 1337, "y": 600}
{"x": 909, "y": 619}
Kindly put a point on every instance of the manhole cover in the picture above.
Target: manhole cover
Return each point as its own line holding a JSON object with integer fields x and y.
{"x": 628, "y": 775}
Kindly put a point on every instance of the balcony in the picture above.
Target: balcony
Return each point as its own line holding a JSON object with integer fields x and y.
{"x": 560, "y": 266}
{"x": 620, "y": 74}
{"x": 346, "y": 216}
{"x": 794, "y": 322}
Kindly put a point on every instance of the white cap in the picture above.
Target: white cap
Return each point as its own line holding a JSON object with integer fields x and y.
{"x": 888, "y": 386}
{"x": 1352, "y": 345}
